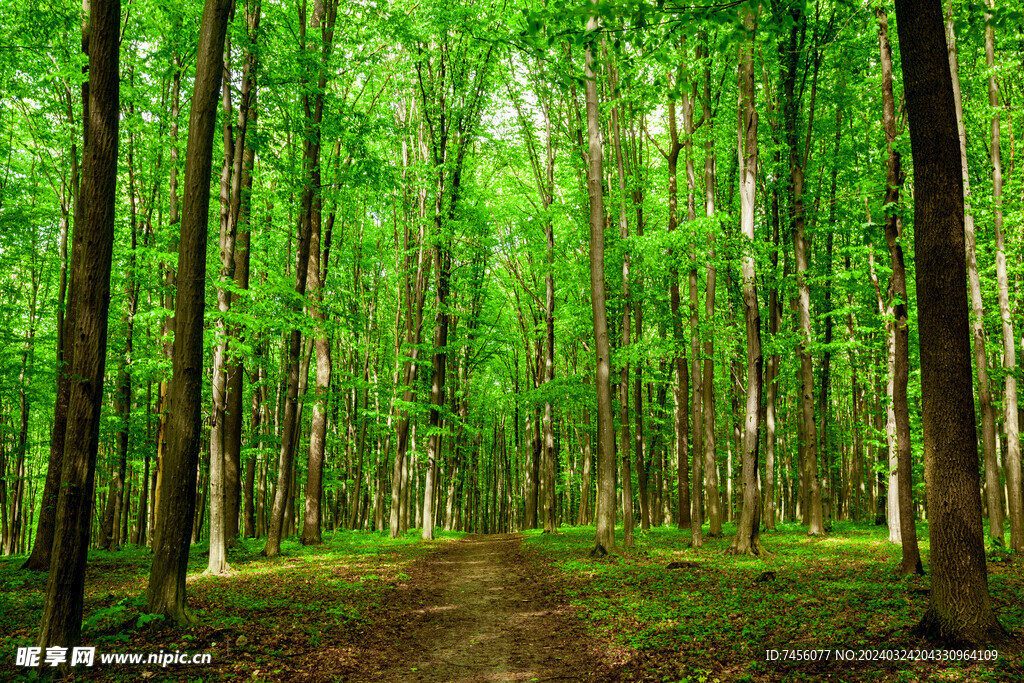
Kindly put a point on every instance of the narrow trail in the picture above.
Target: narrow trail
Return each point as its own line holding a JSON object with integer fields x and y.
{"x": 478, "y": 609}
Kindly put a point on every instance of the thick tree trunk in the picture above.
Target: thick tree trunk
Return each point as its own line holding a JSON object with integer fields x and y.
{"x": 959, "y": 609}
{"x": 62, "y": 610}
{"x": 177, "y": 507}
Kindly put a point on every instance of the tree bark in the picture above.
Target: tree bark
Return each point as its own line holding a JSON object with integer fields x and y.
{"x": 322, "y": 19}
{"x": 959, "y": 609}
{"x": 39, "y": 559}
{"x": 711, "y": 496}
{"x": 218, "y": 560}
{"x": 62, "y": 610}
{"x": 627, "y": 309}
{"x": 241, "y": 203}
{"x": 605, "y": 533}
{"x": 1010, "y": 404}
{"x": 166, "y": 592}
{"x": 993, "y": 488}
{"x": 748, "y": 528}
{"x": 911, "y": 560}
{"x": 797, "y": 163}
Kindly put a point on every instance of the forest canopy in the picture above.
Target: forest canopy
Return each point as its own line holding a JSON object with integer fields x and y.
{"x": 270, "y": 270}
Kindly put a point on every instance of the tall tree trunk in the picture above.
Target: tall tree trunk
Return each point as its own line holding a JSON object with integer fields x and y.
{"x": 772, "y": 373}
{"x": 218, "y": 558}
{"x": 62, "y": 610}
{"x": 748, "y": 529}
{"x": 993, "y": 489}
{"x": 959, "y": 609}
{"x": 711, "y": 495}
{"x": 605, "y": 535}
{"x": 797, "y": 163}
{"x": 170, "y": 277}
{"x": 322, "y": 19}
{"x": 624, "y": 438}
{"x": 14, "y": 530}
{"x": 166, "y": 592}
{"x": 39, "y": 559}
{"x": 311, "y": 530}
{"x": 1010, "y": 409}
{"x": 124, "y": 398}
{"x": 241, "y": 203}
{"x": 547, "y": 196}
{"x": 911, "y": 562}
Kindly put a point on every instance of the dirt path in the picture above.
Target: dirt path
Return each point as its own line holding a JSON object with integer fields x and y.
{"x": 478, "y": 609}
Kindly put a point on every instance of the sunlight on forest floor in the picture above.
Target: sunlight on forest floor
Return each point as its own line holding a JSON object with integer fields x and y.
{"x": 715, "y": 617}
{"x": 316, "y": 611}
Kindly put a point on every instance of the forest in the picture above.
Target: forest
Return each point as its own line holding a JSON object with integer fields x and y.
{"x": 434, "y": 340}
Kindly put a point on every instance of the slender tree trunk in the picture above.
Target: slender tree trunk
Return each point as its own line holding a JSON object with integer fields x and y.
{"x": 624, "y": 438}
{"x": 124, "y": 397}
{"x": 993, "y": 489}
{"x": 797, "y": 163}
{"x": 901, "y": 358}
{"x": 241, "y": 204}
{"x": 748, "y": 529}
{"x": 319, "y": 253}
{"x": 1010, "y": 406}
{"x": 39, "y": 559}
{"x": 682, "y": 390}
{"x": 322, "y": 19}
{"x": 712, "y": 498}
{"x": 443, "y": 263}
{"x": 605, "y": 536}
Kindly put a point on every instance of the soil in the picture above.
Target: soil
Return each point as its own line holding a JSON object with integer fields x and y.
{"x": 482, "y": 609}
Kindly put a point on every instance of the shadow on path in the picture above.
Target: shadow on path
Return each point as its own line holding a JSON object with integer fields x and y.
{"x": 481, "y": 610}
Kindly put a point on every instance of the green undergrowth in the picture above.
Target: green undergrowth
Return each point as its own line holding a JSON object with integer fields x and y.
{"x": 714, "y": 616}
{"x": 269, "y": 619}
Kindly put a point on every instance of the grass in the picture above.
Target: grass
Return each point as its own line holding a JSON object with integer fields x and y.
{"x": 714, "y": 618}
{"x": 271, "y": 619}
{"x": 327, "y": 610}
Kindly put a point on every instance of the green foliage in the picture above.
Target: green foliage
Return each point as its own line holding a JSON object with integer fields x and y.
{"x": 716, "y": 614}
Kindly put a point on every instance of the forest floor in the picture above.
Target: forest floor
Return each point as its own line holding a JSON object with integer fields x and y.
{"x": 523, "y": 607}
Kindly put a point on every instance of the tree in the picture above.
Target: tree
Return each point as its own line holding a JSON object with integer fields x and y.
{"x": 899, "y": 331}
{"x": 748, "y": 529}
{"x": 166, "y": 592}
{"x": 605, "y": 537}
{"x": 62, "y": 612}
{"x": 322, "y": 19}
{"x": 1014, "y": 494}
{"x": 959, "y": 609}
{"x": 993, "y": 489}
